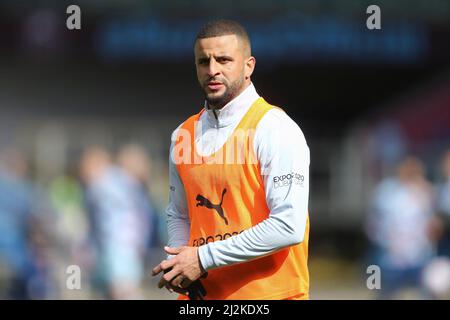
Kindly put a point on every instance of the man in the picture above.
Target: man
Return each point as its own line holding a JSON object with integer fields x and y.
{"x": 403, "y": 228}
{"x": 241, "y": 227}
{"x": 443, "y": 206}
{"x": 119, "y": 221}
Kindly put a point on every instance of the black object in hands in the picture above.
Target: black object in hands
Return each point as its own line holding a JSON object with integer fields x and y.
{"x": 195, "y": 290}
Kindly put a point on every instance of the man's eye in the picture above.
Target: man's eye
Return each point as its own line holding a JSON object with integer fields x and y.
{"x": 223, "y": 60}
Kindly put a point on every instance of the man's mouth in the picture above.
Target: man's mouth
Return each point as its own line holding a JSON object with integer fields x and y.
{"x": 214, "y": 85}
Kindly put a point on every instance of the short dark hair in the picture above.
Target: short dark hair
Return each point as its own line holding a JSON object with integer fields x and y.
{"x": 223, "y": 27}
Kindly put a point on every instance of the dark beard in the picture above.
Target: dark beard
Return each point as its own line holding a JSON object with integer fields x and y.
{"x": 229, "y": 94}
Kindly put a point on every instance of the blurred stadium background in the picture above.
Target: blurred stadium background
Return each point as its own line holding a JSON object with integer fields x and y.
{"x": 86, "y": 118}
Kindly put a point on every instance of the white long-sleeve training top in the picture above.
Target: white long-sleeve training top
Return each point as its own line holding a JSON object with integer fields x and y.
{"x": 284, "y": 159}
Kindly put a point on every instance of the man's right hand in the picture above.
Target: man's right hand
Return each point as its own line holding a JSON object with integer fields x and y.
{"x": 172, "y": 288}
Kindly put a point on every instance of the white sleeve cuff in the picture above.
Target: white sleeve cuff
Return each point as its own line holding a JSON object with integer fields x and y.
{"x": 206, "y": 258}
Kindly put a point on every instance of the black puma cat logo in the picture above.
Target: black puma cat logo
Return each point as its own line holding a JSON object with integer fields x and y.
{"x": 202, "y": 201}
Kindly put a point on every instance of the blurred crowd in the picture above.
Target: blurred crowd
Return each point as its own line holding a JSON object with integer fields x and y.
{"x": 409, "y": 228}
{"x": 99, "y": 217}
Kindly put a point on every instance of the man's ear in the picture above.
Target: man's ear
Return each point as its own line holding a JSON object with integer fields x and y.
{"x": 249, "y": 67}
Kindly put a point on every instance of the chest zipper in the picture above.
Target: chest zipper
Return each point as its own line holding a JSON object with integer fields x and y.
{"x": 217, "y": 130}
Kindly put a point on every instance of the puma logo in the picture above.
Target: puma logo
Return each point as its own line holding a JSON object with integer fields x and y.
{"x": 202, "y": 201}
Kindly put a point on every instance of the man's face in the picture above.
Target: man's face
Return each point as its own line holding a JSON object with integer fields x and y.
{"x": 222, "y": 68}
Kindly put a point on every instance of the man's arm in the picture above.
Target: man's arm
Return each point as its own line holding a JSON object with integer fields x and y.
{"x": 282, "y": 150}
{"x": 178, "y": 223}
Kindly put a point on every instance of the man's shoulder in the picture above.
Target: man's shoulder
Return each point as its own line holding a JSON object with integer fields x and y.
{"x": 278, "y": 119}
{"x": 175, "y": 132}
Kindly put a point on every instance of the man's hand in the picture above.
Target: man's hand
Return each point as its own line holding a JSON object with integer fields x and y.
{"x": 185, "y": 268}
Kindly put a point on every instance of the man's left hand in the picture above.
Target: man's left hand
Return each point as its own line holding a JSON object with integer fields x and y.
{"x": 185, "y": 267}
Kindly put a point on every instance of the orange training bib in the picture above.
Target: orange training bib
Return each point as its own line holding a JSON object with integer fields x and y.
{"x": 225, "y": 195}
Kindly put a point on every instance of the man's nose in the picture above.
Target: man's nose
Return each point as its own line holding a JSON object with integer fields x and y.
{"x": 213, "y": 68}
